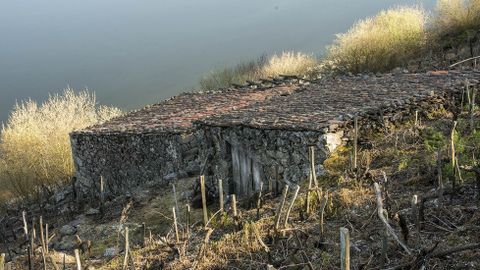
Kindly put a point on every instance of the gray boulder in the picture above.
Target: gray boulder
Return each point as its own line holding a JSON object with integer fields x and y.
{"x": 110, "y": 252}
{"x": 68, "y": 242}
{"x": 67, "y": 230}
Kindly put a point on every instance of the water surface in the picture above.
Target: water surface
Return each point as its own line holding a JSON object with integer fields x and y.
{"x": 133, "y": 53}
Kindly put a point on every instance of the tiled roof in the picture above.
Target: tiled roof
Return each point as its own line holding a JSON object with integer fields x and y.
{"x": 288, "y": 104}
{"x": 317, "y": 105}
{"x": 178, "y": 113}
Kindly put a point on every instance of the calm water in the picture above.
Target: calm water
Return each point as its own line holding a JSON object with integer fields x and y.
{"x": 133, "y": 53}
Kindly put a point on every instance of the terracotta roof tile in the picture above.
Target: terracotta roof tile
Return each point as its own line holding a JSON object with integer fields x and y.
{"x": 293, "y": 106}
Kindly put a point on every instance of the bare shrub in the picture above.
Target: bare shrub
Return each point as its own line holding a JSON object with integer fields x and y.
{"x": 34, "y": 143}
{"x": 382, "y": 42}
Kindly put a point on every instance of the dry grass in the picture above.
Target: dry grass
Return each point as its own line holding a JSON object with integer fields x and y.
{"x": 382, "y": 42}
{"x": 289, "y": 63}
{"x": 34, "y": 142}
{"x": 456, "y": 16}
{"x": 286, "y": 63}
{"x": 356, "y": 197}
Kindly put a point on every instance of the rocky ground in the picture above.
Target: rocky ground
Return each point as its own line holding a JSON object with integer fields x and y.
{"x": 402, "y": 160}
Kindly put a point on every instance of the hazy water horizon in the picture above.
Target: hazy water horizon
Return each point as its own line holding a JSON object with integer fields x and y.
{"x": 133, "y": 53}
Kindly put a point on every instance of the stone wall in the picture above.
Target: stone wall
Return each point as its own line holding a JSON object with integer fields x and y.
{"x": 129, "y": 160}
{"x": 265, "y": 150}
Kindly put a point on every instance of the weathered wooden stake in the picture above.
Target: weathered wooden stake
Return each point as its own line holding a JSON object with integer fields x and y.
{"x": 452, "y": 150}
{"x": 270, "y": 185}
{"x": 307, "y": 195}
{"x": 415, "y": 217}
{"x": 42, "y": 236}
{"x": 127, "y": 249}
{"x": 277, "y": 182}
{"x": 440, "y": 175}
{"x": 2, "y": 261}
{"x": 204, "y": 200}
{"x": 175, "y": 198}
{"x": 234, "y": 205}
{"x": 47, "y": 239}
{"x": 43, "y": 244}
{"x": 144, "y": 231}
{"x": 472, "y": 110}
{"x": 34, "y": 231}
{"x": 345, "y": 248}
{"x": 323, "y": 204}
{"x": 259, "y": 200}
{"x": 44, "y": 259}
{"x": 452, "y": 144}
{"x": 416, "y": 118}
{"x": 396, "y": 140}
{"x": 8, "y": 266}
{"x": 102, "y": 195}
{"x": 292, "y": 202}
{"x": 220, "y": 194}
{"x": 458, "y": 171}
{"x": 187, "y": 220}
{"x": 467, "y": 87}
{"x": 355, "y": 142}
{"x": 29, "y": 258}
{"x": 380, "y": 213}
{"x": 177, "y": 237}
{"x": 25, "y": 226}
{"x": 33, "y": 236}
{"x": 280, "y": 208}
{"x": 384, "y": 242}
{"x": 312, "y": 165}
{"x": 77, "y": 259}
{"x": 312, "y": 179}
{"x": 421, "y": 212}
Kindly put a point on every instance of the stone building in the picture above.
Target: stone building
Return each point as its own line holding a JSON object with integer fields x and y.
{"x": 245, "y": 135}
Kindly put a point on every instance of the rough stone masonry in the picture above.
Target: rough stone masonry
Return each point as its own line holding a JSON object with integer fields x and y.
{"x": 247, "y": 134}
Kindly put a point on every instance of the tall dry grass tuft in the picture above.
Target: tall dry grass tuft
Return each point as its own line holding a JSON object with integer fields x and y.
{"x": 286, "y": 63}
{"x": 382, "y": 42}
{"x": 289, "y": 63}
{"x": 456, "y": 16}
{"x": 34, "y": 142}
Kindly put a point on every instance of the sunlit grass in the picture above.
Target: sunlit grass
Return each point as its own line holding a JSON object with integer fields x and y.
{"x": 456, "y": 16}
{"x": 286, "y": 63}
{"x": 34, "y": 142}
{"x": 382, "y": 42}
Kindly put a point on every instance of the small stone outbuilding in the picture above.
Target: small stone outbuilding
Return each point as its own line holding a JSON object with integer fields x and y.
{"x": 245, "y": 135}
